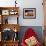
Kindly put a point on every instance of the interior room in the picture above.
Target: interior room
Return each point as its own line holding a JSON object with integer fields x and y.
{"x": 22, "y": 23}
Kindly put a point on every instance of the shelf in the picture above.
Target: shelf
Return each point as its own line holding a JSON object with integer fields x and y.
{"x": 6, "y": 12}
{"x": 9, "y": 10}
{"x": 11, "y": 26}
{"x": 11, "y": 41}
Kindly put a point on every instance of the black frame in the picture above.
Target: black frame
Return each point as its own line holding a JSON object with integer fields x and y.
{"x": 33, "y": 10}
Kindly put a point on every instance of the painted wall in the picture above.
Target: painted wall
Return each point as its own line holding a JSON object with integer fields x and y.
{"x": 27, "y": 4}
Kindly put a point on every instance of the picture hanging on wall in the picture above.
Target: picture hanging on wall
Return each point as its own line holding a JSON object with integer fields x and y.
{"x": 29, "y": 13}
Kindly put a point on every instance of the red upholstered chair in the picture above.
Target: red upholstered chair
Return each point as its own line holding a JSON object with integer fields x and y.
{"x": 28, "y": 34}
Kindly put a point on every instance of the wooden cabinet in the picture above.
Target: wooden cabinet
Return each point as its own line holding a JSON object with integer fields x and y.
{"x": 5, "y": 27}
{"x": 12, "y": 41}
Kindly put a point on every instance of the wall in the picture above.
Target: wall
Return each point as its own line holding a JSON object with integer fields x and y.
{"x": 27, "y": 4}
{"x": 39, "y": 13}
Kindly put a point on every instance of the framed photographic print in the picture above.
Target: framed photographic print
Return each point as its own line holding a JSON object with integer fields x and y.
{"x": 13, "y": 12}
{"x": 5, "y": 12}
{"x": 29, "y": 13}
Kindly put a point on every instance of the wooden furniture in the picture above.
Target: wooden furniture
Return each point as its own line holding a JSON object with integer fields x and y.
{"x": 5, "y": 12}
{"x": 11, "y": 26}
{"x": 10, "y": 43}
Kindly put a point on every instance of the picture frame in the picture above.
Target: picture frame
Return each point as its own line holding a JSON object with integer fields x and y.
{"x": 5, "y": 12}
{"x": 29, "y": 13}
{"x": 13, "y": 12}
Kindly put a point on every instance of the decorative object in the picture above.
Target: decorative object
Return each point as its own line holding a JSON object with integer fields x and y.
{"x": 15, "y": 37}
{"x": 5, "y": 12}
{"x": 13, "y": 12}
{"x": 29, "y": 13}
{"x": 15, "y": 34}
{"x": 6, "y": 21}
{"x": 15, "y": 30}
{"x": 7, "y": 34}
{"x": 31, "y": 41}
{"x": 30, "y": 38}
{"x": 15, "y": 3}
